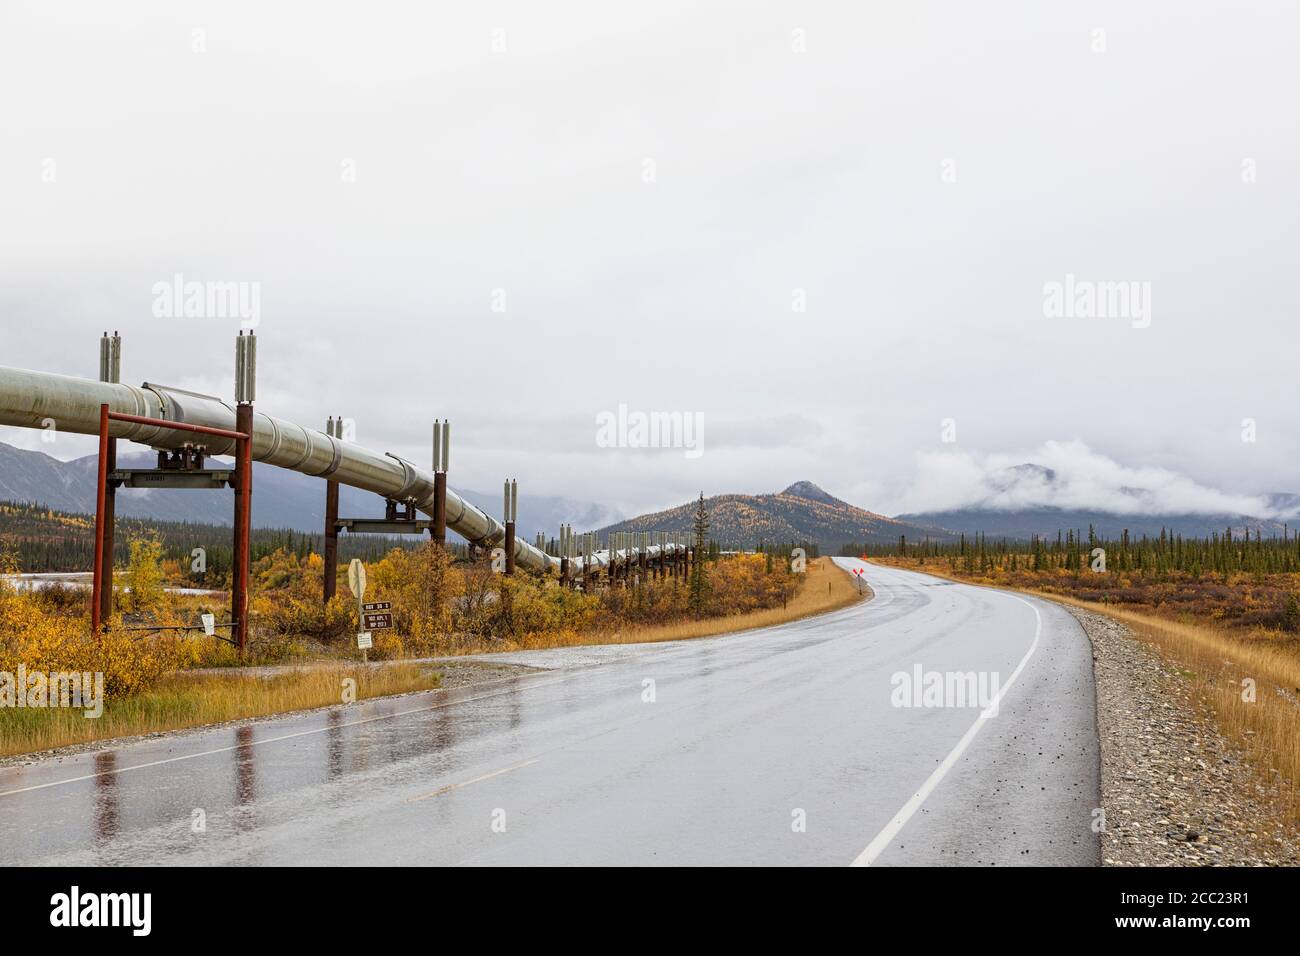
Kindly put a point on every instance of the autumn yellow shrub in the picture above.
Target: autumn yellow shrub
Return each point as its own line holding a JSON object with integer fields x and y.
{"x": 440, "y": 606}
{"x": 532, "y": 605}
{"x": 40, "y": 640}
{"x": 286, "y": 599}
{"x": 387, "y": 646}
{"x": 737, "y": 584}
{"x": 9, "y": 563}
{"x": 144, "y": 577}
{"x": 420, "y": 586}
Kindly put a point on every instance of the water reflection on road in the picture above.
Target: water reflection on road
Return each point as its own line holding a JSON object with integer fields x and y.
{"x": 576, "y": 764}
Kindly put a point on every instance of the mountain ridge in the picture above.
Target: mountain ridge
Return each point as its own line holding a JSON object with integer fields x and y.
{"x": 801, "y": 512}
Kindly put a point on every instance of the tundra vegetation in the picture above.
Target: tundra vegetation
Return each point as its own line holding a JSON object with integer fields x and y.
{"x": 160, "y": 672}
{"x": 1223, "y": 610}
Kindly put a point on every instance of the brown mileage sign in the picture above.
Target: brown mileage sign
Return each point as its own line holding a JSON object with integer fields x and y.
{"x": 376, "y": 615}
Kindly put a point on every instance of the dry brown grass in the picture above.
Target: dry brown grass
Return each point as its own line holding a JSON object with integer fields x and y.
{"x": 184, "y": 700}
{"x": 1239, "y": 599}
{"x": 826, "y": 589}
{"x": 1219, "y": 661}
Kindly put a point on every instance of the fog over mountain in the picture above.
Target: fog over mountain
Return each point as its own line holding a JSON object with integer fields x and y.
{"x": 1070, "y": 476}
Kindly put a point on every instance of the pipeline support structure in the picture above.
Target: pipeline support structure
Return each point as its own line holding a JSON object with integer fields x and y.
{"x": 164, "y": 418}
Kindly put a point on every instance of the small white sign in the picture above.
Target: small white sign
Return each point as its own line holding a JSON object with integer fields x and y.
{"x": 364, "y": 640}
{"x": 209, "y": 624}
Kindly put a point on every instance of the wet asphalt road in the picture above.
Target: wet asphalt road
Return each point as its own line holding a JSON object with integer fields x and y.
{"x": 746, "y": 737}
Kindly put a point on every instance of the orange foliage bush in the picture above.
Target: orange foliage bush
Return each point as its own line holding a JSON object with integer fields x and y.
{"x": 286, "y": 599}
{"x": 43, "y": 640}
{"x": 420, "y": 586}
{"x": 737, "y": 584}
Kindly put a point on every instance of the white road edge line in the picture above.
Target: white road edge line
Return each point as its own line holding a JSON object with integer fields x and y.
{"x": 258, "y": 743}
{"x": 886, "y": 836}
{"x": 875, "y": 603}
{"x": 465, "y": 783}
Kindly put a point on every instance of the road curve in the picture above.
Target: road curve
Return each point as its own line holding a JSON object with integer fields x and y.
{"x": 779, "y": 746}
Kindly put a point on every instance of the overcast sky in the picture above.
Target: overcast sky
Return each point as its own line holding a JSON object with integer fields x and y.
{"x": 653, "y": 190}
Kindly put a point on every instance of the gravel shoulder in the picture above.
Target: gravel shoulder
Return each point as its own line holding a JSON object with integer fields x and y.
{"x": 1175, "y": 791}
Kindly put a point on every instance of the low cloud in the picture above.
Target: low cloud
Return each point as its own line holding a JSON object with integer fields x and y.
{"x": 1067, "y": 475}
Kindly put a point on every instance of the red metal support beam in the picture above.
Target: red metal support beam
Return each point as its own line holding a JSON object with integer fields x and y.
{"x": 331, "y": 578}
{"x": 109, "y": 511}
{"x": 110, "y": 370}
{"x": 177, "y": 426}
{"x": 97, "y": 590}
{"x": 439, "y": 529}
{"x": 331, "y": 538}
{"x": 243, "y": 480}
{"x": 243, "y": 524}
{"x": 509, "y": 515}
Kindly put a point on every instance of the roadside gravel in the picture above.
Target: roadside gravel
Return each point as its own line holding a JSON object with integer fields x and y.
{"x": 1175, "y": 791}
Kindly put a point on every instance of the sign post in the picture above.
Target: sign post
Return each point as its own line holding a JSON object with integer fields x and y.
{"x": 357, "y": 582}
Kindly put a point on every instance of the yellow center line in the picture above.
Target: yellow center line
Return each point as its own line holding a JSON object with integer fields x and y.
{"x": 465, "y": 783}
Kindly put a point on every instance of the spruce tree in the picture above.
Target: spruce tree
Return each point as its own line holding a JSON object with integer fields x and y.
{"x": 699, "y": 575}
